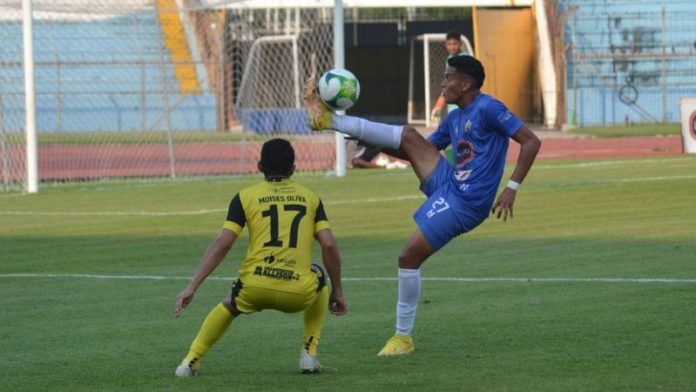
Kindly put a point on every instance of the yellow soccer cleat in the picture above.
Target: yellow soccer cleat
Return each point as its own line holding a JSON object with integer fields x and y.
{"x": 320, "y": 116}
{"x": 397, "y": 345}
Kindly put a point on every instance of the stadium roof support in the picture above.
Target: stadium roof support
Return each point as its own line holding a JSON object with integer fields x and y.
{"x": 248, "y": 4}
{"x": 545, "y": 64}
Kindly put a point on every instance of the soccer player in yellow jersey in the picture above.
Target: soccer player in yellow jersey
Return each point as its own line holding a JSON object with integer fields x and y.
{"x": 284, "y": 218}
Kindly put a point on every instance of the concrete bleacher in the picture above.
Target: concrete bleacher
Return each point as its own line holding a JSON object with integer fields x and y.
{"x": 628, "y": 61}
{"x": 105, "y": 74}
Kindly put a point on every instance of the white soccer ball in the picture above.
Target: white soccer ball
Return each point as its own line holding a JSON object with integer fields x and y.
{"x": 339, "y": 89}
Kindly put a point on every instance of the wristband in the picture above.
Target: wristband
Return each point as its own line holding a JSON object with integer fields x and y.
{"x": 514, "y": 185}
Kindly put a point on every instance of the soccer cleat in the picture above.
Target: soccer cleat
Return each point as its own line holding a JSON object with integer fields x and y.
{"x": 320, "y": 117}
{"x": 187, "y": 369}
{"x": 309, "y": 363}
{"x": 397, "y": 345}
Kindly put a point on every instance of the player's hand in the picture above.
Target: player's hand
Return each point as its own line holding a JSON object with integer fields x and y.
{"x": 436, "y": 116}
{"x": 182, "y": 300}
{"x": 438, "y": 111}
{"x": 503, "y": 206}
{"x": 337, "y": 303}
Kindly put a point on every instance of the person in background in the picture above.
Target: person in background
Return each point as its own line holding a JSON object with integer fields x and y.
{"x": 370, "y": 157}
{"x": 453, "y": 45}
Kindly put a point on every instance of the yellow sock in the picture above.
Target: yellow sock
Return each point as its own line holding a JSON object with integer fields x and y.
{"x": 314, "y": 321}
{"x": 214, "y": 326}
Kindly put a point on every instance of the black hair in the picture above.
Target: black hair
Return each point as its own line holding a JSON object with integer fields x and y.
{"x": 277, "y": 158}
{"x": 453, "y": 35}
{"x": 470, "y": 66}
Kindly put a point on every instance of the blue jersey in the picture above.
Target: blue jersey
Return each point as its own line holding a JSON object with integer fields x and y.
{"x": 479, "y": 135}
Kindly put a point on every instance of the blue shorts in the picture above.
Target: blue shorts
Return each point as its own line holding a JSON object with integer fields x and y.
{"x": 445, "y": 214}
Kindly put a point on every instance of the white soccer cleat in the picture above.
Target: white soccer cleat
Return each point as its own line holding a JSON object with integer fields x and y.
{"x": 184, "y": 371}
{"x": 309, "y": 363}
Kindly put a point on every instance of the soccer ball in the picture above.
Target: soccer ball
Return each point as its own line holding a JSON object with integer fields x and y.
{"x": 339, "y": 89}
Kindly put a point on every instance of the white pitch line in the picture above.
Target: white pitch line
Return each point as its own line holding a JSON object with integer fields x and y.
{"x": 613, "y": 162}
{"x": 659, "y": 178}
{"x": 368, "y": 279}
{"x": 193, "y": 212}
{"x": 329, "y": 203}
{"x": 376, "y": 199}
{"x": 112, "y": 213}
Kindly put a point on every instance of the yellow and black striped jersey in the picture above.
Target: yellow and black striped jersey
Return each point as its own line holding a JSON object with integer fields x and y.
{"x": 283, "y": 218}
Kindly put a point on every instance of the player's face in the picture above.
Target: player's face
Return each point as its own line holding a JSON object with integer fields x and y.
{"x": 454, "y": 86}
{"x": 453, "y": 46}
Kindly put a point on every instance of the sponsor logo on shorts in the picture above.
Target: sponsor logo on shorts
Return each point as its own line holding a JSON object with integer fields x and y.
{"x": 276, "y": 273}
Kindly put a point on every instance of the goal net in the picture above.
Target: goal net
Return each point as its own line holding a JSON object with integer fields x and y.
{"x": 159, "y": 88}
{"x": 428, "y": 58}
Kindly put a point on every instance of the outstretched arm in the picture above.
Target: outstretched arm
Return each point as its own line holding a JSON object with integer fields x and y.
{"x": 436, "y": 114}
{"x": 529, "y": 147}
{"x": 216, "y": 252}
{"x": 332, "y": 261}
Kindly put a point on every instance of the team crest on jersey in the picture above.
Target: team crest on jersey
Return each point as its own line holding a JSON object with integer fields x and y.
{"x": 467, "y": 126}
{"x": 465, "y": 152}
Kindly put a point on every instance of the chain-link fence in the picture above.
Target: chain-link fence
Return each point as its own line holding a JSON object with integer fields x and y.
{"x": 153, "y": 88}
{"x": 143, "y": 88}
{"x": 271, "y": 53}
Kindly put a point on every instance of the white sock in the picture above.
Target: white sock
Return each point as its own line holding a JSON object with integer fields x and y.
{"x": 409, "y": 293}
{"x": 377, "y": 134}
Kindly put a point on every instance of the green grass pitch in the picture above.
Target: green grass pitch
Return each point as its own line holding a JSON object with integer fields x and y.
{"x": 590, "y": 288}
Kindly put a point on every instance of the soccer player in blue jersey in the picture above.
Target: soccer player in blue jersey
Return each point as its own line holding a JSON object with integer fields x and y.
{"x": 459, "y": 195}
